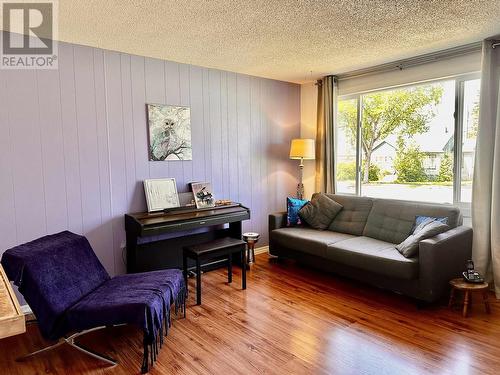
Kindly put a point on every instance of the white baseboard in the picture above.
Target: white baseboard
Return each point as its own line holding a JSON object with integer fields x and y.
{"x": 261, "y": 250}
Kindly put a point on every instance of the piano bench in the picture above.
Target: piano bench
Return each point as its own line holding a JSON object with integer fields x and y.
{"x": 221, "y": 247}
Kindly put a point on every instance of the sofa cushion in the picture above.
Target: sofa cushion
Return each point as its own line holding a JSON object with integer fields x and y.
{"x": 352, "y": 218}
{"x": 306, "y": 240}
{"x": 320, "y": 211}
{"x": 393, "y": 221}
{"x": 375, "y": 256}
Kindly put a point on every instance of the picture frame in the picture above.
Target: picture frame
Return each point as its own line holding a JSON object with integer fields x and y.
{"x": 203, "y": 194}
{"x": 161, "y": 193}
{"x": 169, "y": 132}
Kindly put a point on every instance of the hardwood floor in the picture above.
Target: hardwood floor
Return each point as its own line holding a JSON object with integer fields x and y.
{"x": 290, "y": 320}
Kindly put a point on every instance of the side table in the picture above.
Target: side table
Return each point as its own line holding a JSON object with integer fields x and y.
{"x": 468, "y": 288}
{"x": 251, "y": 239}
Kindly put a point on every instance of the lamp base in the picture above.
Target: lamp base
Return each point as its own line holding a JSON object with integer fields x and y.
{"x": 300, "y": 190}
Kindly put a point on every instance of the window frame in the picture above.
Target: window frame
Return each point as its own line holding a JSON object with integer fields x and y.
{"x": 465, "y": 207}
{"x": 460, "y": 81}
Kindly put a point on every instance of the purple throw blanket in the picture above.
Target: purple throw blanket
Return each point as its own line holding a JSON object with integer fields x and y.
{"x": 142, "y": 299}
{"x": 53, "y": 273}
{"x": 69, "y": 290}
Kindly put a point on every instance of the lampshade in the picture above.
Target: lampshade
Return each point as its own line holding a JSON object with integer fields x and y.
{"x": 302, "y": 148}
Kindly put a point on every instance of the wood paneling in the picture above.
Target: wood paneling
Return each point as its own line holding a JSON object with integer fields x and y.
{"x": 7, "y": 196}
{"x": 26, "y": 154}
{"x": 73, "y": 145}
{"x": 289, "y": 320}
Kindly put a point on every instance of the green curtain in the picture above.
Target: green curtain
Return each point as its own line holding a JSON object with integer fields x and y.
{"x": 325, "y": 134}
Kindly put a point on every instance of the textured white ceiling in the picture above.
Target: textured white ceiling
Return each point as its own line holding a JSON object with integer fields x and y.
{"x": 284, "y": 39}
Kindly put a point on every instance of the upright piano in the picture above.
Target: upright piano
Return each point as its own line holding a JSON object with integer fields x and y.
{"x": 155, "y": 239}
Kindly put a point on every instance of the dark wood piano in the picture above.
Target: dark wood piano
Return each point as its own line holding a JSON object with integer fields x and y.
{"x": 155, "y": 240}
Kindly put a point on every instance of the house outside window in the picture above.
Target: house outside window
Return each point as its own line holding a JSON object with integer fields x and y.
{"x": 400, "y": 143}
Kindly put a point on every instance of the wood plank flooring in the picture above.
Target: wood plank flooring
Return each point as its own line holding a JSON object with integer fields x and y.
{"x": 290, "y": 320}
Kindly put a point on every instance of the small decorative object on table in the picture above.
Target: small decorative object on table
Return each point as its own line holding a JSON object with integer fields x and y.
{"x": 223, "y": 202}
{"x": 471, "y": 275}
{"x": 251, "y": 239}
{"x": 468, "y": 287}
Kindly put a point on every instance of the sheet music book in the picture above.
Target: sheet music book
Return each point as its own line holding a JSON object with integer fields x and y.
{"x": 161, "y": 193}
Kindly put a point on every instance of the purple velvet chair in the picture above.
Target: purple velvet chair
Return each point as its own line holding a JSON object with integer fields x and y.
{"x": 71, "y": 294}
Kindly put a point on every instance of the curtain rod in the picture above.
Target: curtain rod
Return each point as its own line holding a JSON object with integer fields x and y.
{"x": 414, "y": 61}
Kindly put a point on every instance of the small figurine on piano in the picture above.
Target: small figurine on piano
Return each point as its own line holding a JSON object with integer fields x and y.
{"x": 223, "y": 202}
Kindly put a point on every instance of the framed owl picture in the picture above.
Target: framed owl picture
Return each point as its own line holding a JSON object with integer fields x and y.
{"x": 169, "y": 132}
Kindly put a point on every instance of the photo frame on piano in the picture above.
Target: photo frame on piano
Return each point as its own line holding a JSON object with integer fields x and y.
{"x": 161, "y": 193}
{"x": 203, "y": 194}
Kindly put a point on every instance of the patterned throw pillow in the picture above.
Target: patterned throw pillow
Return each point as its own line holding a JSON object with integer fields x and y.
{"x": 421, "y": 219}
{"x": 293, "y": 206}
{"x": 428, "y": 228}
{"x": 320, "y": 211}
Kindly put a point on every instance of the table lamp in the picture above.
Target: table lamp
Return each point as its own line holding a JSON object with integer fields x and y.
{"x": 301, "y": 149}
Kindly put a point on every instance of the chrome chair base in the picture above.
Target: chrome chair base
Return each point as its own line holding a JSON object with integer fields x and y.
{"x": 71, "y": 341}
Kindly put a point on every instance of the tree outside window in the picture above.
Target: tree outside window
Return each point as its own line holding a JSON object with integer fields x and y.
{"x": 406, "y": 145}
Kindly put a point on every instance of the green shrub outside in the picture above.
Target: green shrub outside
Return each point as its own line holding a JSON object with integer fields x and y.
{"x": 346, "y": 171}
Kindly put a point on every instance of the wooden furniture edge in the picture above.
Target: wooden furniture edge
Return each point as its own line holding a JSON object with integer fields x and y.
{"x": 11, "y": 325}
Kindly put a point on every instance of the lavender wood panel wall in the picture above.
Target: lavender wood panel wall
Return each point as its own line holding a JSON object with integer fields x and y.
{"x": 73, "y": 143}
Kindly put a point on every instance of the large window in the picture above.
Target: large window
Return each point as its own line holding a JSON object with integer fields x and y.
{"x": 470, "y": 120}
{"x": 346, "y": 147}
{"x": 400, "y": 143}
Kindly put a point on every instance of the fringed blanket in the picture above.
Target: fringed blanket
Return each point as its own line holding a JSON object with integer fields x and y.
{"x": 141, "y": 299}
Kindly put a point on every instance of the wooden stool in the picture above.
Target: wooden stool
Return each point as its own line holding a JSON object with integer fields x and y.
{"x": 222, "y": 247}
{"x": 468, "y": 288}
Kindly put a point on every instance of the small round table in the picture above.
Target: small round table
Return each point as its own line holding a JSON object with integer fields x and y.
{"x": 251, "y": 239}
{"x": 462, "y": 285}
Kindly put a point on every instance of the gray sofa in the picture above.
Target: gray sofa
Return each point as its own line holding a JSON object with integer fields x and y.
{"x": 360, "y": 244}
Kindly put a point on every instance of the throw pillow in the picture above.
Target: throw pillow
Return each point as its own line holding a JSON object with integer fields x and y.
{"x": 421, "y": 219}
{"x": 293, "y": 205}
{"x": 409, "y": 247}
{"x": 320, "y": 211}
{"x": 422, "y": 224}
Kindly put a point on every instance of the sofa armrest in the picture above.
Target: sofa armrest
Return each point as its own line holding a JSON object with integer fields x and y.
{"x": 277, "y": 220}
{"x": 442, "y": 258}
